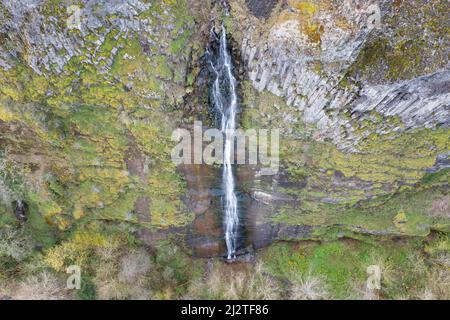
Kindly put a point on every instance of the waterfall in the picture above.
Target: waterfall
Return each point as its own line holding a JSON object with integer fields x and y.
{"x": 224, "y": 99}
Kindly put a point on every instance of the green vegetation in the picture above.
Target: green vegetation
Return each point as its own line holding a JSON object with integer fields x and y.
{"x": 66, "y": 138}
{"x": 365, "y": 189}
{"x": 115, "y": 265}
{"x": 113, "y": 262}
{"x": 83, "y": 121}
{"x": 409, "y": 49}
{"x": 88, "y": 137}
{"x": 406, "y": 272}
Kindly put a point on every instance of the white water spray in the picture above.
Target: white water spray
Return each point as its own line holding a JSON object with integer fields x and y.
{"x": 224, "y": 96}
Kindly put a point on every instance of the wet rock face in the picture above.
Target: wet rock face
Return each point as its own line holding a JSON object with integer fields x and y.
{"x": 363, "y": 109}
{"x": 261, "y": 8}
{"x": 205, "y": 236}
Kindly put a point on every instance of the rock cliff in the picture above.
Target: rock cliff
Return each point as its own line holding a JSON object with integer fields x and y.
{"x": 90, "y": 92}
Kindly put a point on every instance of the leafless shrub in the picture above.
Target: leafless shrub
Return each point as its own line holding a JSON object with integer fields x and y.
{"x": 134, "y": 265}
{"x": 226, "y": 282}
{"x": 426, "y": 295}
{"x": 6, "y": 195}
{"x": 14, "y": 243}
{"x": 443, "y": 259}
{"x": 440, "y": 207}
{"x": 122, "y": 277}
{"x": 116, "y": 290}
{"x": 418, "y": 264}
{"x": 438, "y": 285}
{"x": 309, "y": 287}
{"x": 44, "y": 286}
{"x": 432, "y": 280}
{"x": 361, "y": 292}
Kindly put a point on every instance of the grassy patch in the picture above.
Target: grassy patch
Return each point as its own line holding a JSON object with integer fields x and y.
{"x": 405, "y": 270}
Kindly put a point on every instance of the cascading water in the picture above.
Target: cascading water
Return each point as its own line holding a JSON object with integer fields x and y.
{"x": 224, "y": 99}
